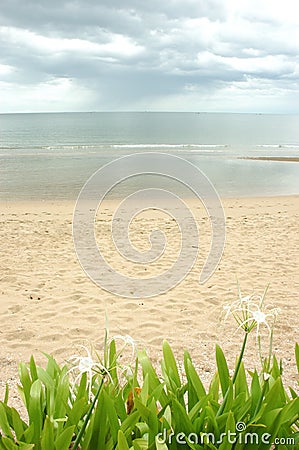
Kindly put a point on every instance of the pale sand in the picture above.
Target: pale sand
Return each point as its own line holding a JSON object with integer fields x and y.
{"x": 48, "y": 304}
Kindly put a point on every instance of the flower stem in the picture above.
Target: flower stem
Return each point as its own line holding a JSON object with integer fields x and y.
{"x": 240, "y": 357}
{"x": 87, "y": 418}
{"x": 238, "y": 365}
{"x": 259, "y": 403}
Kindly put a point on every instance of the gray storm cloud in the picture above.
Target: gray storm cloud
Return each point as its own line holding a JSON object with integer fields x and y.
{"x": 184, "y": 55}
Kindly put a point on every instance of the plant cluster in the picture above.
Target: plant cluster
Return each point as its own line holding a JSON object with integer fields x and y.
{"x": 98, "y": 404}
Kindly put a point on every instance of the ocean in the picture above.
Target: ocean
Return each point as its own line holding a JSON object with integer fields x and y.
{"x": 51, "y": 156}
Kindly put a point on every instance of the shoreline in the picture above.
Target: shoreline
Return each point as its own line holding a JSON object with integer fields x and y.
{"x": 60, "y": 203}
{"x": 271, "y": 158}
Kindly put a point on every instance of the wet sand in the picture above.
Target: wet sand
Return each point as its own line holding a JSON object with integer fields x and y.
{"x": 273, "y": 158}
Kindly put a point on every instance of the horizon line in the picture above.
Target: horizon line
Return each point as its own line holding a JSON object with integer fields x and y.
{"x": 148, "y": 112}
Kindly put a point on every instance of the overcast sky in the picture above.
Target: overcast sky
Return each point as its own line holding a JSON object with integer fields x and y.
{"x": 165, "y": 55}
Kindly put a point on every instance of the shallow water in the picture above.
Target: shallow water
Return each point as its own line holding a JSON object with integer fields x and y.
{"x": 49, "y": 156}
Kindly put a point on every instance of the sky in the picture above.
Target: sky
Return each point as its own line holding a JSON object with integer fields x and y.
{"x": 156, "y": 55}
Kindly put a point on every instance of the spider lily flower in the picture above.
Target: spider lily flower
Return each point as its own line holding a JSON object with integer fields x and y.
{"x": 85, "y": 364}
{"x": 250, "y": 312}
{"x": 127, "y": 340}
{"x": 125, "y": 370}
{"x": 238, "y": 305}
{"x": 258, "y": 317}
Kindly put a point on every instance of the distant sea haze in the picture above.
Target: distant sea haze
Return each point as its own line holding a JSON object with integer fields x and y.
{"x": 51, "y": 156}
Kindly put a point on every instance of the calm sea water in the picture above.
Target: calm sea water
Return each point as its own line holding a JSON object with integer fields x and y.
{"x": 51, "y": 156}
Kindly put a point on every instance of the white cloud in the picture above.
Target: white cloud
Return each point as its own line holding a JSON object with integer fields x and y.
{"x": 269, "y": 65}
{"x": 56, "y": 95}
{"x": 270, "y": 11}
{"x": 5, "y": 69}
{"x": 116, "y": 45}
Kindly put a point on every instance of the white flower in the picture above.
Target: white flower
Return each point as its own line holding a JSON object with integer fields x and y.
{"x": 127, "y": 339}
{"x": 257, "y": 317}
{"x": 237, "y": 305}
{"x": 250, "y": 312}
{"x": 94, "y": 367}
{"x": 85, "y": 364}
{"x": 124, "y": 370}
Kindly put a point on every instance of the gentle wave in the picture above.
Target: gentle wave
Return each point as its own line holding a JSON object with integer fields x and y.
{"x": 115, "y": 146}
{"x": 167, "y": 145}
{"x": 78, "y": 149}
{"x": 135, "y": 146}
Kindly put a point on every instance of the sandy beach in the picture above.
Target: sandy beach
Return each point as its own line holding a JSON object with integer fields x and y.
{"x": 48, "y": 304}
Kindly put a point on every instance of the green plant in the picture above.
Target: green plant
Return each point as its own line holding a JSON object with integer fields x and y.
{"x": 99, "y": 404}
{"x": 162, "y": 409}
{"x": 51, "y": 420}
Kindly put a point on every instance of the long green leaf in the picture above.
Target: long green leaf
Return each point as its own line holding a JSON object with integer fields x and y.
{"x": 214, "y": 387}
{"x": 122, "y": 442}
{"x": 62, "y": 394}
{"x": 99, "y": 425}
{"x": 53, "y": 368}
{"x": 129, "y": 423}
{"x": 111, "y": 415}
{"x": 113, "y": 362}
{"x": 63, "y": 441}
{"x": 230, "y": 427}
{"x": 148, "y": 414}
{"x": 29, "y": 434}
{"x": 47, "y": 435}
{"x": 154, "y": 382}
{"x": 26, "y": 383}
{"x": 181, "y": 421}
{"x": 290, "y": 412}
{"x": 33, "y": 371}
{"x": 18, "y": 425}
{"x": 194, "y": 380}
{"x": 36, "y": 410}
{"x": 47, "y": 379}
{"x": 7, "y": 443}
{"x": 4, "y": 424}
{"x": 222, "y": 370}
{"x": 6, "y": 394}
{"x": 77, "y": 411}
{"x": 241, "y": 385}
{"x": 88, "y": 416}
{"x": 276, "y": 396}
{"x": 256, "y": 392}
{"x": 171, "y": 367}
